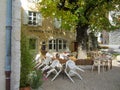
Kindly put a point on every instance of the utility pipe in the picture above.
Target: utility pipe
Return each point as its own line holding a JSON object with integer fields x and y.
{"x": 8, "y": 43}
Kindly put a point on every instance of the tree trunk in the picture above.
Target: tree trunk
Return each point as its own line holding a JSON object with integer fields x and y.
{"x": 93, "y": 43}
{"x": 82, "y": 39}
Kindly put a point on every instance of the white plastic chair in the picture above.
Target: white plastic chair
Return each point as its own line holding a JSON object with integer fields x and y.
{"x": 45, "y": 62}
{"x": 99, "y": 64}
{"x": 37, "y": 60}
{"x": 110, "y": 58}
{"x": 54, "y": 67}
{"x": 101, "y": 61}
{"x": 71, "y": 69}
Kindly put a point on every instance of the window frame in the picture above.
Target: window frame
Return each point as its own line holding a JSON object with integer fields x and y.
{"x": 33, "y": 18}
{"x": 57, "y": 44}
{"x": 31, "y": 44}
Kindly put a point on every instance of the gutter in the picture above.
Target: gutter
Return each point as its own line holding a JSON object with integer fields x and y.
{"x": 8, "y": 43}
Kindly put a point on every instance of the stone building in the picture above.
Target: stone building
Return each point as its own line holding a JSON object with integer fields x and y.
{"x": 10, "y": 27}
{"x": 44, "y": 34}
{"x": 2, "y": 44}
{"x": 111, "y": 38}
{"x": 114, "y": 37}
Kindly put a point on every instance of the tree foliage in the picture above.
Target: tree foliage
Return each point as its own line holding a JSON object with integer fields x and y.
{"x": 92, "y": 12}
{"x": 83, "y": 16}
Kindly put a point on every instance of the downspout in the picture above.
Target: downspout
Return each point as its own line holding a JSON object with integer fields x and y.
{"x": 8, "y": 43}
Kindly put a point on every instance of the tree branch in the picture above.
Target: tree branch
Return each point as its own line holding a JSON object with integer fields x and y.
{"x": 91, "y": 7}
{"x": 61, "y": 5}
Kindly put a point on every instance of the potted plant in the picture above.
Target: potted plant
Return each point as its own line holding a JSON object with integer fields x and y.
{"x": 26, "y": 64}
{"x": 36, "y": 79}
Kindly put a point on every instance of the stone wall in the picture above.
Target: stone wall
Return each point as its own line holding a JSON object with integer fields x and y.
{"x": 114, "y": 37}
{"x": 46, "y": 32}
{"x": 16, "y": 30}
{"x": 2, "y": 43}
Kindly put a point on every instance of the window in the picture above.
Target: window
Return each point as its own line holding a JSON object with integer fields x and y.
{"x": 60, "y": 44}
{"x": 32, "y": 43}
{"x": 64, "y": 44}
{"x": 32, "y": 19}
{"x": 52, "y": 44}
{"x": 57, "y": 44}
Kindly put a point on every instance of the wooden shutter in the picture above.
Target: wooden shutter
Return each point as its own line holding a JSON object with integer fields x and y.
{"x": 39, "y": 19}
{"x": 57, "y": 23}
{"x": 25, "y": 17}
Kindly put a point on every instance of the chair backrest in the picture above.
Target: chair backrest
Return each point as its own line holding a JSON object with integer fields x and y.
{"x": 47, "y": 60}
{"x": 37, "y": 57}
{"x": 48, "y": 54}
{"x": 55, "y": 63}
{"x": 70, "y": 64}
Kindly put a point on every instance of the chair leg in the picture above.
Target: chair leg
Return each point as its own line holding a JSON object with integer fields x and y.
{"x": 92, "y": 68}
{"x": 77, "y": 74}
{"x": 45, "y": 68}
{"x": 69, "y": 77}
{"x": 40, "y": 66}
{"x": 81, "y": 69}
{"x": 49, "y": 72}
{"x": 55, "y": 77}
{"x": 57, "y": 73}
{"x": 109, "y": 64}
{"x": 98, "y": 69}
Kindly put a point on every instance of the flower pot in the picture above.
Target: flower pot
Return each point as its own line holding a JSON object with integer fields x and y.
{"x": 25, "y": 88}
{"x": 21, "y": 88}
{"x": 38, "y": 89}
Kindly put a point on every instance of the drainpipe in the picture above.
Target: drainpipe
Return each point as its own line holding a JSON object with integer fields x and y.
{"x": 8, "y": 43}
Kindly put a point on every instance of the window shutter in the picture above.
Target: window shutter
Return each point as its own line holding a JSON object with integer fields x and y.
{"x": 57, "y": 23}
{"x": 25, "y": 17}
{"x": 39, "y": 19}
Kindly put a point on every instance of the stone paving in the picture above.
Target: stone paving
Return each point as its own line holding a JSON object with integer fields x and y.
{"x": 108, "y": 80}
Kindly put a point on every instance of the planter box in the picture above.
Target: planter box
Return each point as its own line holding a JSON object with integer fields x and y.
{"x": 84, "y": 62}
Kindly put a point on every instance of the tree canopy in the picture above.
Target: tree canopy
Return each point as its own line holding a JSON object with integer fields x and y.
{"x": 84, "y": 16}
{"x": 94, "y": 13}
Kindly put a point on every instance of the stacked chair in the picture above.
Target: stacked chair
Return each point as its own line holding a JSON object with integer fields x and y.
{"x": 72, "y": 69}
{"x": 55, "y": 67}
{"x": 45, "y": 62}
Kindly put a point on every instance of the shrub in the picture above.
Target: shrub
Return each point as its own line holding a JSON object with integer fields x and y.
{"x": 36, "y": 79}
{"x": 26, "y": 62}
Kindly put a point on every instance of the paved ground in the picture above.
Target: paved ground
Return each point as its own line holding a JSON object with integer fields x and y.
{"x": 108, "y": 80}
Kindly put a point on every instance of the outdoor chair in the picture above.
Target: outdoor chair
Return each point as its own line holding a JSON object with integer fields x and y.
{"x": 37, "y": 60}
{"x": 45, "y": 62}
{"x": 109, "y": 59}
{"x": 55, "y": 68}
{"x": 98, "y": 63}
{"x": 71, "y": 69}
{"x": 103, "y": 61}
